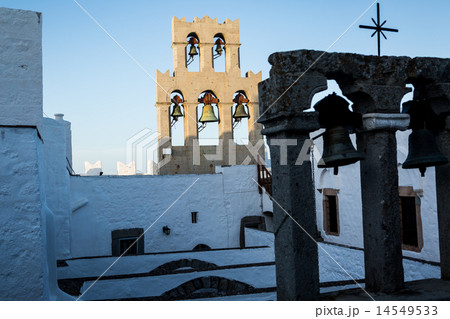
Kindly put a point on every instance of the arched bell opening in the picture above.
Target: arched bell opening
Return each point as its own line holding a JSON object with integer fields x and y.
{"x": 240, "y": 116}
{"x": 208, "y": 118}
{"x": 337, "y": 121}
{"x": 407, "y": 97}
{"x": 193, "y": 52}
{"x": 332, "y": 87}
{"x": 424, "y": 124}
{"x": 177, "y": 116}
{"x": 219, "y": 53}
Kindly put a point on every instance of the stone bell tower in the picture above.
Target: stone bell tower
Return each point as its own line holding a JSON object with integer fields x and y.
{"x": 205, "y": 35}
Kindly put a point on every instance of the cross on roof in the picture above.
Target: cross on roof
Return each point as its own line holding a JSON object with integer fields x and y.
{"x": 378, "y": 28}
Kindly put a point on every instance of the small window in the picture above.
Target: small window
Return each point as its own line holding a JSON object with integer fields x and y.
{"x": 411, "y": 223}
{"x": 128, "y": 246}
{"x": 331, "y": 211}
{"x": 122, "y": 239}
{"x": 194, "y": 217}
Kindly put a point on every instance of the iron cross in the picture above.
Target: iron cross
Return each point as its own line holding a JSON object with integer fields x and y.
{"x": 378, "y": 28}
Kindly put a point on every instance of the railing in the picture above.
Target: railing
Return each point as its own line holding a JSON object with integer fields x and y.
{"x": 264, "y": 179}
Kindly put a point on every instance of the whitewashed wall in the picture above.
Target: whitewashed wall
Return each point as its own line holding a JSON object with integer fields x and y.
{"x": 23, "y": 270}
{"x": 350, "y": 212}
{"x": 23, "y": 274}
{"x": 121, "y": 202}
{"x": 20, "y": 67}
{"x": 57, "y": 182}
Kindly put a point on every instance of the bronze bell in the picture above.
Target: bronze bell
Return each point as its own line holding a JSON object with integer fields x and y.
{"x": 338, "y": 149}
{"x": 219, "y": 49}
{"x": 208, "y": 114}
{"x": 423, "y": 151}
{"x": 176, "y": 113}
{"x": 193, "y": 51}
{"x": 240, "y": 113}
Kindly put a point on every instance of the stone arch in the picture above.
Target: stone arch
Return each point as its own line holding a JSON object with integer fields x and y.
{"x": 218, "y": 53}
{"x": 176, "y": 265}
{"x": 240, "y": 128}
{"x": 210, "y": 285}
{"x": 177, "y": 125}
{"x": 201, "y": 247}
{"x": 209, "y": 133}
{"x": 192, "y": 60}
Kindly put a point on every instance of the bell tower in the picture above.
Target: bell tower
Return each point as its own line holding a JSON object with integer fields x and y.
{"x": 206, "y": 99}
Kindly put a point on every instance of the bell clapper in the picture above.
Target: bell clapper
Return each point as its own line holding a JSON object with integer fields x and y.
{"x": 336, "y": 170}
{"x": 422, "y": 170}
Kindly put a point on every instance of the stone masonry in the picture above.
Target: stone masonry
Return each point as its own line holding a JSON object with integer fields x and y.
{"x": 192, "y": 84}
{"x": 376, "y": 86}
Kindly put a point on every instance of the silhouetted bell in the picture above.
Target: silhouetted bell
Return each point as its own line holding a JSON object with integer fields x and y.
{"x": 423, "y": 151}
{"x": 240, "y": 113}
{"x": 176, "y": 113}
{"x": 193, "y": 51}
{"x": 208, "y": 114}
{"x": 338, "y": 149}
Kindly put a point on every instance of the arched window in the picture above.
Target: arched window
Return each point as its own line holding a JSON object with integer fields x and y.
{"x": 240, "y": 114}
{"x": 193, "y": 52}
{"x": 177, "y": 113}
{"x": 218, "y": 53}
{"x": 208, "y": 118}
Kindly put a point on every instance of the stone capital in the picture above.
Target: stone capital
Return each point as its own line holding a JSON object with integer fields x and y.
{"x": 302, "y": 123}
{"x": 387, "y": 122}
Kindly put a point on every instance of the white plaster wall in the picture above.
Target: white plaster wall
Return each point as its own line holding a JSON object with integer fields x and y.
{"x": 23, "y": 268}
{"x": 350, "y": 211}
{"x": 57, "y": 182}
{"x": 350, "y": 206}
{"x": 116, "y": 202}
{"x": 59, "y": 117}
{"x": 428, "y": 207}
{"x": 255, "y": 237}
{"x": 20, "y": 68}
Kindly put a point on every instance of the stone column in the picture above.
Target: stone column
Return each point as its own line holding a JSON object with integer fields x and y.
{"x": 297, "y": 265}
{"x": 232, "y": 58}
{"x": 380, "y": 203}
{"x": 190, "y": 123}
{"x": 287, "y": 129}
{"x": 179, "y": 57}
{"x": 206, "y": 57}
{"x": 443, "y": 201}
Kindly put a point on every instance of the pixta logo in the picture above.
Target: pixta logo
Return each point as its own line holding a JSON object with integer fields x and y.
{"x": 142, "y": 149}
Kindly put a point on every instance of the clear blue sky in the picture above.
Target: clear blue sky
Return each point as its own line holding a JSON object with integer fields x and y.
{"x": 108, "y": 98}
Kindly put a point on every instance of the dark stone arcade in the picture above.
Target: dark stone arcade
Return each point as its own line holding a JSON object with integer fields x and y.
{"x": 376, "y": 86}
